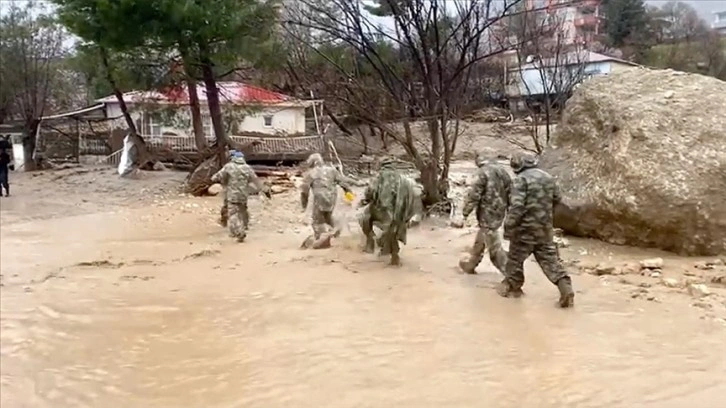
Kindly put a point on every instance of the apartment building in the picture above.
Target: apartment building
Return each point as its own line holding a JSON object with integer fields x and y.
{"x": 579, "y": 21}
{"x": 719, "y": 22}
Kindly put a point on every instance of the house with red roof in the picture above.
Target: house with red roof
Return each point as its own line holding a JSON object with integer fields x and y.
{"x": 246, "y": 109}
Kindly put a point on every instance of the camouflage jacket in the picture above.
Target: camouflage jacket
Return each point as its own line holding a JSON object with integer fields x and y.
{"x": 323, "y": 181}
{"x": 489, "y": 195}
{"x": 531, "y": 206}
{"x": 392, "y": 194}
{"x": 236, "y": 177}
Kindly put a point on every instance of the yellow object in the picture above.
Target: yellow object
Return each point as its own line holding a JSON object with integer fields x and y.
{"x": 349, "y": 197}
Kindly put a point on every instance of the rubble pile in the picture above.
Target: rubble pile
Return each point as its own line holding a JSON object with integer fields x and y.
{"x": 641, "y": 159}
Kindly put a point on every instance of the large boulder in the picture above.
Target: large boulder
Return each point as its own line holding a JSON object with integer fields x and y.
{"x": 641, "y": 158}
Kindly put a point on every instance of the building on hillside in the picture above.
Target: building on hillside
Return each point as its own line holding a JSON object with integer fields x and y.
{"x": 579, "y": 21}
{"x": 532, "y": 81}
{"x": 719, "y": 22}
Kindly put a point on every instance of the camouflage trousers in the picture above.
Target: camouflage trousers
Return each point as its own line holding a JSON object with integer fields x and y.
{"x": 546, "y": 255}
{"x": 322, "y": 220}
{"x": 388, "y": 242}
{"x": 486, "y": 239}
{"x": 224, "y": 216}
{"x": 238, "y": 218}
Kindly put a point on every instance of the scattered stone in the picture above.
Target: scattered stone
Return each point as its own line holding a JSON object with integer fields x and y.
{"x": 653, "y": 263}
{"x": 562, "y": 242}
{"x": 602, "y": 269}
{"x": 456, "y": 223}
{"x": 669, "y": 94}
{"x": 644, "y": 285}
{"x": 703, "y": 305}
{"x": 704, "y": 265}
{"x": 719, "y": 262}
{"x": 719, "y": 280}
{"x": 698, "y": 290}
{"x": 670, "y": 282}
{"x": 630, "y": 268}
{"x": 652, "y": 298}
{"x": 656, "y": 273}
{"x": 215, "y": 189}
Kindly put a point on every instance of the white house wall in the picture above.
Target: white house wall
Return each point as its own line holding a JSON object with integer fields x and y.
{"x": 531, "y": 82}
{"x": 285, "y": 120}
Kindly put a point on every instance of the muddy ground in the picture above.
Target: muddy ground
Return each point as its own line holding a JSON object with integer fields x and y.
{"x": 127, "y": 293}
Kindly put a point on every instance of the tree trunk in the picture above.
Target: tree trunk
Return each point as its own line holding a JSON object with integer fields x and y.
{"x": 215, "y": 108}
{"x": 31, "y": 128}
{"x": 197, "y": 125}
{"x": 144, "y": 155}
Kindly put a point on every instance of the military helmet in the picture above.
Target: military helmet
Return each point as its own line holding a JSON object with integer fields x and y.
{"x": 522, "y": 161}
{"x": 387, "y": 161}
{"x": 480, "y": 159}
{"x": 314, "y": 160}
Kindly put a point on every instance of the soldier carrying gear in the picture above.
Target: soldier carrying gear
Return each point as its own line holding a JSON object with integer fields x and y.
{"x": 236, "y": 176}
{"x": 323, "y": 179}
{"x": 489, "y": 196}
{"x": 223, "y": 211}
{"x": 529, "y": 228}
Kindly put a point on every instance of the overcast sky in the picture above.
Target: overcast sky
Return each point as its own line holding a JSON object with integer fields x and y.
{"x": 704, "y": 7}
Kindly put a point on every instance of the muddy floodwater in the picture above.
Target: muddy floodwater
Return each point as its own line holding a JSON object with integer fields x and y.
{"x": 150, "y": 304}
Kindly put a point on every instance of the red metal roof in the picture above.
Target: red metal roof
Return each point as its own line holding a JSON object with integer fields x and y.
{"x": 229, "y": 93}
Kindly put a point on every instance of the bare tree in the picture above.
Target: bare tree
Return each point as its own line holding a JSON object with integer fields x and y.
{"x": 551, "y": 62}
{"x": 31, "y": 46}
{"x": 418, "y": 69}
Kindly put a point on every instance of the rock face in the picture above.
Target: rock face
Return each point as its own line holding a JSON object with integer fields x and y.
{"x": 641, "y": 160}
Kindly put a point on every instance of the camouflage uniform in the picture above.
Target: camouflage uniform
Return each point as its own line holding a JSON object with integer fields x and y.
{"x": 530, "y": 230}
{"x": 323, "y": 180}
{"x": 391, "y": 204}
{"x": 236, "y": 177}
{"x": 489, "y": 195}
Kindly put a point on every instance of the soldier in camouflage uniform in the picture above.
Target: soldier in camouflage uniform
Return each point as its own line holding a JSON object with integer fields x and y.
{"x": 489, "y": 196}
{"x": 223, "y": 210}
{"x": 529, "y": 228}
{"x": 236, "y": 177}
{"x": 390, "y": 199}
{"x": 323, "y": 180}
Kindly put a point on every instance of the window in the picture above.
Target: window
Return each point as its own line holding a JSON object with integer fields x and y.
{"x": 268, "y": 120}
{"x": 152, "y": 125}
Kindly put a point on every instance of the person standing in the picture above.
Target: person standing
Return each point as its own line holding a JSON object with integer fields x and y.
{"x": 4, "y": 172}
{"x": 529, "y": 228}
{"x": 323, "y": 179}
{"x": 489, "y": 196}
{"x": 236, "y": 177}
{"x": 390, "y": 199}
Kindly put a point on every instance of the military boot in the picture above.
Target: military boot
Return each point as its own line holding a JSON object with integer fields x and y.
{"x": 370, "y": 245}
{"x": 467, "y": 266}
{"x": 504, "y": 289}
{"x": 567, "y": 295}
{"x": 395, "y": 260}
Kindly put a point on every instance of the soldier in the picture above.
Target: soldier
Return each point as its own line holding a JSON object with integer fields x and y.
{"x": 323, "y": 180}
{"x": 223, "y": 210}
{"x": 390, "y": 199}
{"x": 489, "y": 195}
{"x": 236, "y": 177}
{"x": 529, "y": 228}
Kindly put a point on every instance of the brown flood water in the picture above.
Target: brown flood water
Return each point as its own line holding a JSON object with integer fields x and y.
{"x": 171, "y": 313}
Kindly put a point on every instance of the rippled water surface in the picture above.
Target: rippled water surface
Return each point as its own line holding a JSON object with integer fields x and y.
{"x": 170, "y": 313}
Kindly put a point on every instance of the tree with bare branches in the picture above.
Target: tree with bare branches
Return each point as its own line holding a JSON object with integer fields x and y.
{"x": 31, "y": 48}
{"x": 551, "y": 62}
{"x": 403, "y": 61}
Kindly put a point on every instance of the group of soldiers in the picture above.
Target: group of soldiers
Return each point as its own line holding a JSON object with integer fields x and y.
{"x": 524, "y": 206}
